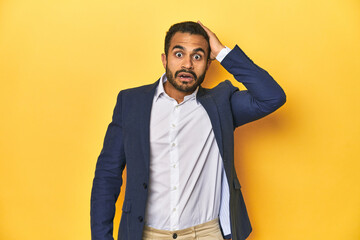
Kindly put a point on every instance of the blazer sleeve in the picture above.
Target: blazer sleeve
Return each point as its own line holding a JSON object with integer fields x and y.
{"x": 108, "y": 178}
{"x": 263, "y": 95}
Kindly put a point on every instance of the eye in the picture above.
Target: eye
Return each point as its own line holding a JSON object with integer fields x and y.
{"x": 178, "y": 54}
{"x": 197, "y": 57}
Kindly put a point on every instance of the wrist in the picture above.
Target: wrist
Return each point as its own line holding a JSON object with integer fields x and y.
{"x": 218, "y": 49}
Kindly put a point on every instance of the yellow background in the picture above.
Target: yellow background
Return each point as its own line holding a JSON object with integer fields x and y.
{"x": 62, "y": 64}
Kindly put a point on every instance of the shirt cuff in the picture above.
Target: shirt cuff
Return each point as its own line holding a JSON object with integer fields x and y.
{"x": 222, "y": 54}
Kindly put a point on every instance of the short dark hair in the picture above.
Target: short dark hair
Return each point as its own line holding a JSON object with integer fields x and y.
{"x": 185, "y": 27}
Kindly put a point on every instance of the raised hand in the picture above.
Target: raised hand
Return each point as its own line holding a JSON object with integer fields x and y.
{"x": 215, "y": 44}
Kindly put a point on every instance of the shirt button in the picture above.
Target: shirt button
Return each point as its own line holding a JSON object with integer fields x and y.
{"x": 140, "y": 218}
{"x": 173, "y": 125}
{"x": 145, "y": 185}
{"x": 173, "y": 144}
{"x": 174, "y": 209}
{"x": 174, "y": 188}
{"x": 174, "y": 236}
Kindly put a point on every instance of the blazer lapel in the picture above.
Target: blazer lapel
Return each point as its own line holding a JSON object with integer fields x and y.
{"x": 146, "y": 101}
{"x": 210, "y": 106}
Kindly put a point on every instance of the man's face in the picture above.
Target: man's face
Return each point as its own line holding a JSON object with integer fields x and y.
{"x": 186, "y": 62}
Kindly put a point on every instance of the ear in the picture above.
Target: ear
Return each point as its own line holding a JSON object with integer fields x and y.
{"x": 208, "y": 64}
{"x": 163, "y": 59}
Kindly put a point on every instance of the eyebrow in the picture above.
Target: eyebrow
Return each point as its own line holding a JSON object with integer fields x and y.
{"x": 195, "y": 50}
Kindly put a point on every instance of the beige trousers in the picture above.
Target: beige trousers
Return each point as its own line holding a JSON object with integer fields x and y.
{"x": 206, "y": 231}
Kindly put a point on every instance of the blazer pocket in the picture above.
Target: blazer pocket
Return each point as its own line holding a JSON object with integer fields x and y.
{"x": 126, "y": 207}
{"x": 236, "y": 184}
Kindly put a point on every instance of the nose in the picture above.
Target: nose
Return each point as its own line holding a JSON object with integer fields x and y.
{"x": 187, "y": 63}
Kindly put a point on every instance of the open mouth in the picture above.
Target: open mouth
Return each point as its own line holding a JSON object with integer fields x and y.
{"x": 184, "y": 76}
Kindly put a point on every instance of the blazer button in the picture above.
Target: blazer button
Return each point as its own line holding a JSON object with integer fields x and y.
{"x": 145, "y": 185}
{"x": 174, "y": 236}
{"x": 140, "y": 218}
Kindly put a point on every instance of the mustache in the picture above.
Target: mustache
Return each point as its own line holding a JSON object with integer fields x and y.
{"x": 185, "y": 71}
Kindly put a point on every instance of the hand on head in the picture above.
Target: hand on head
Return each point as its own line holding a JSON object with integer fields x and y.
{"x": 215, "y": 44}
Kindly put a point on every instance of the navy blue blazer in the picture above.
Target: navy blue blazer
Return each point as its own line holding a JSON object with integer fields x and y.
{"x": 127, "y": 144}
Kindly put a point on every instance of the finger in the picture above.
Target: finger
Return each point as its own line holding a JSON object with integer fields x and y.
{"x": 200, "y": 23}
{"x": 205, "y": 28}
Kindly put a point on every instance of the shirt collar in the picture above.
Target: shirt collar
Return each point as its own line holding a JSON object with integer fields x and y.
{"x": 160, "y": 90}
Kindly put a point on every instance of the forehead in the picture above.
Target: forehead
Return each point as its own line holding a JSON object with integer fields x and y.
{"x": 189, "y": 41}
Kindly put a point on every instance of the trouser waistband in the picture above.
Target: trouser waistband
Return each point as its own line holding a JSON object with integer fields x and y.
{"x": 191, "y": 232}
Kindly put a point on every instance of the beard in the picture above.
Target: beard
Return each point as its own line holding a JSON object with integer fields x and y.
{"x": 184, "y": 86}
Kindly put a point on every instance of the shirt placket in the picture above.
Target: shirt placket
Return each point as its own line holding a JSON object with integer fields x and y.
{"x": 174, "y": 167}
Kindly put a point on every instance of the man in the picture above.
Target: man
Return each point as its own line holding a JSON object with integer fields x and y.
{"x": 176, "y": 140}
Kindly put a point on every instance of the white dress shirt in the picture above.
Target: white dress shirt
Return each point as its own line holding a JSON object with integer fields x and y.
{"x": 187, "y": 184}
